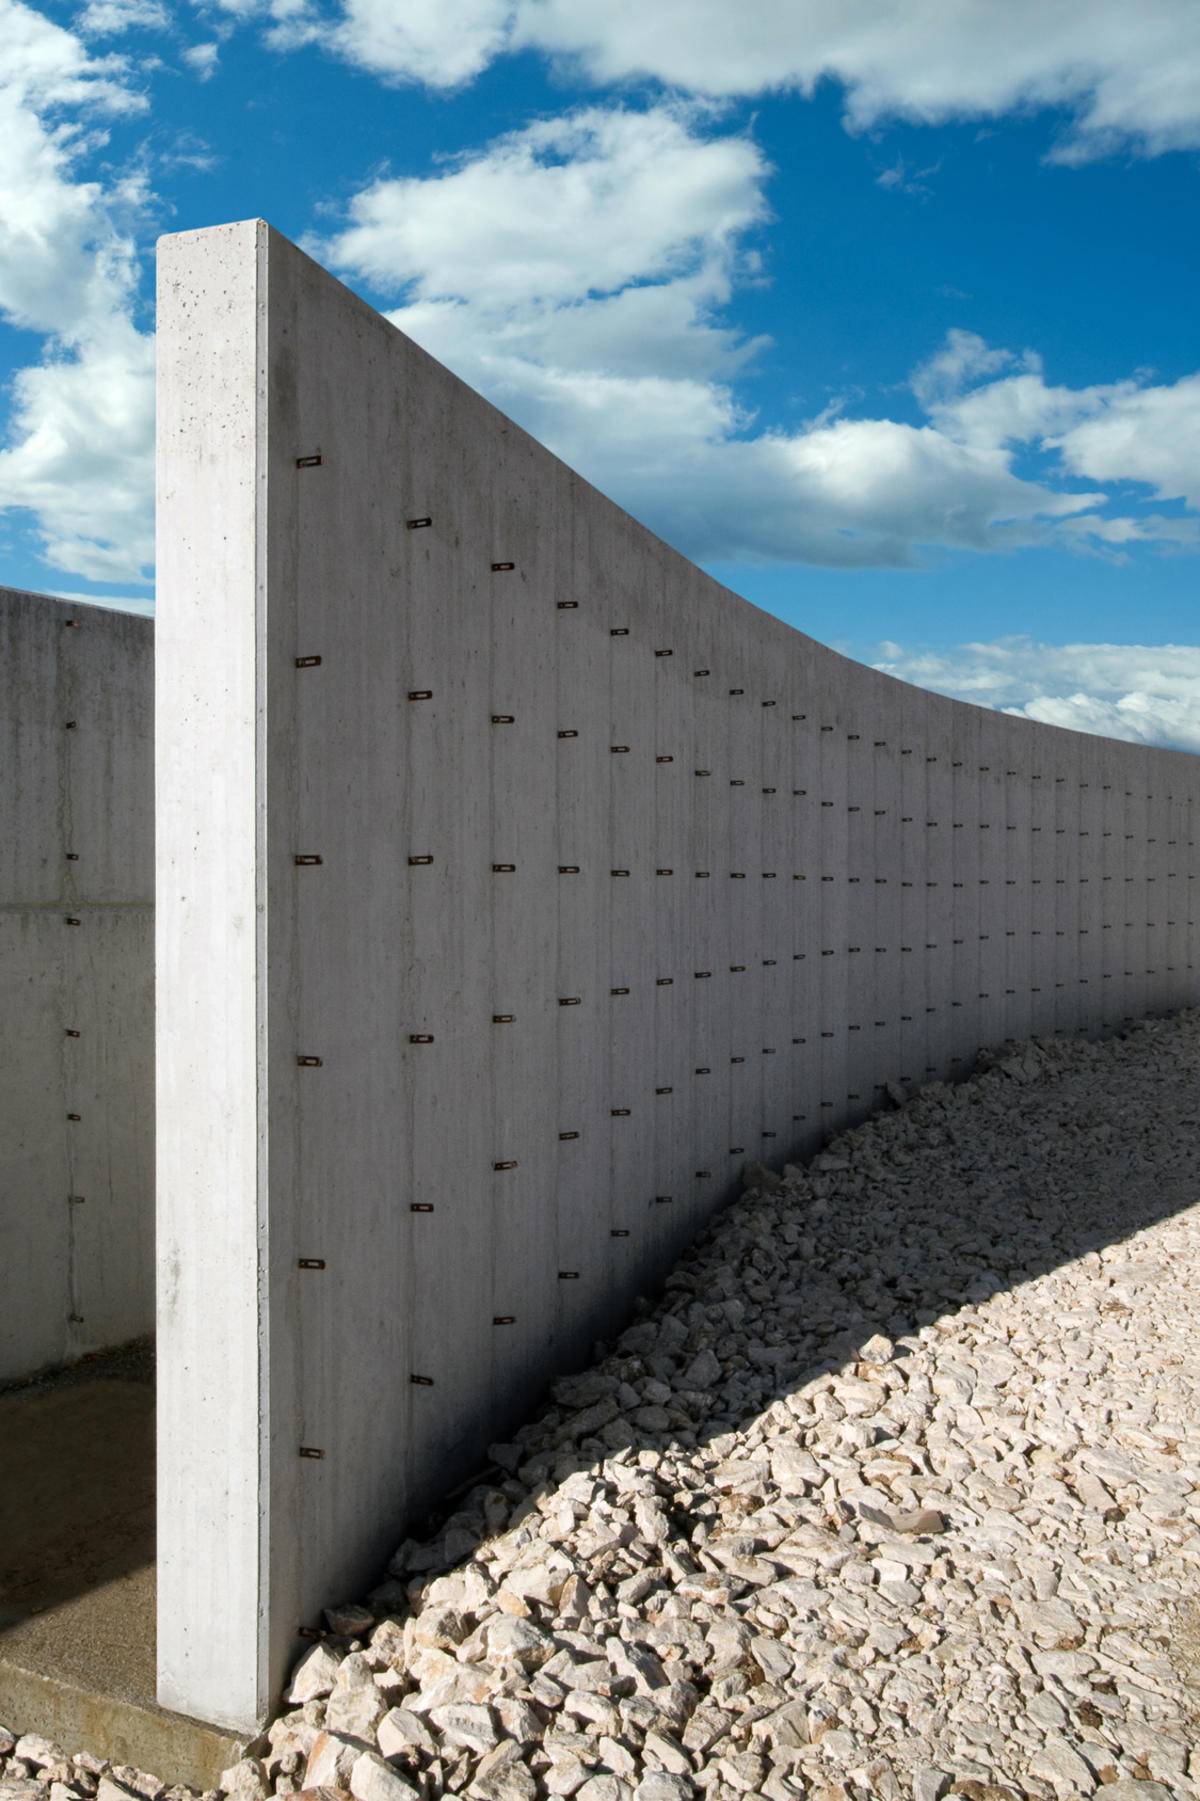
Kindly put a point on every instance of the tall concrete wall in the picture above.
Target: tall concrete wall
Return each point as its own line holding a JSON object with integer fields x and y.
{"x": 76, "y": 980}
{"x": 533, "y": 883}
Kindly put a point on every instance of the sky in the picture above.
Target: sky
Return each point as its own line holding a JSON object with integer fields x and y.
{"x": 886, "y": 314}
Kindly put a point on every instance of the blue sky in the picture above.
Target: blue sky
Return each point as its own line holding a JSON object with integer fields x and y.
{"x": 885, "y": 314}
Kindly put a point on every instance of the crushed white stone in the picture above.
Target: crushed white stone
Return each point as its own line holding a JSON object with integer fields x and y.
{"x": 894, "y": 1493}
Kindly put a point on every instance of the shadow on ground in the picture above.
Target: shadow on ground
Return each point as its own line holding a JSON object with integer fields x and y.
{"x": 76, "y": 1481}
{"x": 1047, "y": 1154}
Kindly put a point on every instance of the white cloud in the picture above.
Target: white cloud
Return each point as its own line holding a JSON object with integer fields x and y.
{"x": 44, "y": 65}
{"x": 1146, "y": 693}
{"x": 109, "y": 18}
{"x": 290, "y": 23}
{"x": 963, "y": 358}
{"x": 1141, "y": 717}
{"x": 186, "y": 150}
{"x": 585, "y": 203}
{"x": 80, "y": 434}
{"x": 577, "y": 271}
{"x": 899, "y": 178}
{"x": 1149, "y": 435}
{"x": 202, "y": 59}
{"x": 1126, "y": 76}
{"x": 82, "y": 459}
{"x": 440, "y": 42}
{"x": 1125, "y": 431}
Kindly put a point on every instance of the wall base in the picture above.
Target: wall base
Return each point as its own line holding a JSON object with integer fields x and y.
{"x": 116, "y": 1727}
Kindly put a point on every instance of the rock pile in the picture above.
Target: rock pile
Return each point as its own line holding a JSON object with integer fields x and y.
{"x": 893, "y": 1493}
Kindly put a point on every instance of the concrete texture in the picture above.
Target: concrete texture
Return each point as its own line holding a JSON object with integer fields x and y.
{"x": 77, "y": 1584}
{"x": 535, "y": 883}
{"x": 76, "y": 980}
{"x": 221, "y": 1428}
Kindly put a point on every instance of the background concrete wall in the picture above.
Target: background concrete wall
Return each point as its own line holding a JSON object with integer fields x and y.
{"x": 76, "y": 980}
{"x": 578, "y": 883}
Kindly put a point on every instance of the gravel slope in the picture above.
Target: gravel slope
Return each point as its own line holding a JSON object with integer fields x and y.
{"x": 893, "y": 1493}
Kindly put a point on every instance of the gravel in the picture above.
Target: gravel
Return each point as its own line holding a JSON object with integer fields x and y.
{"x": 892, "y": 1493}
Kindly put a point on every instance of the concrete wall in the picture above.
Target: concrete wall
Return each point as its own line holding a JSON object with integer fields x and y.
{"x": 533, "y": 884}
{"x": 76, "y": 980}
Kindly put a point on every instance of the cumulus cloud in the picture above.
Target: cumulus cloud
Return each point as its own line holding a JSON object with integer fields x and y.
{"x": 80, "y": 442}
{"x": 82, "y": 459}
{"x": 1114, "y": 432}
{"x": 578, "y": 272}
{"x": 1141, "y": 434}
{"x": 584, "y": 203}
{"x": 439, "y": 43}
{"x": 45, "y": 65}
{"x": 1146, "y": 693}
{"x": 442, "y": 43}
{"x": 1124, "y": 76}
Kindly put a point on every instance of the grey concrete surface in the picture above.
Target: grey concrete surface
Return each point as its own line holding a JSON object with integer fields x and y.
{"x": 77, "y": 1573}
{"x": 76, "y": 980}
{"x": 224, "y": 1424}
{"x": 535, "y": 884}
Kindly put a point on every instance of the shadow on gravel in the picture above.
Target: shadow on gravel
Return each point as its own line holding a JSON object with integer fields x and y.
{"x": 1045, "y": 1155}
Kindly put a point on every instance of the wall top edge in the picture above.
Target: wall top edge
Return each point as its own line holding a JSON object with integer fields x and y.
{"x": 248, "y": 228}
{"x": 256, "y": 236}
{"x": 35, "y": 598}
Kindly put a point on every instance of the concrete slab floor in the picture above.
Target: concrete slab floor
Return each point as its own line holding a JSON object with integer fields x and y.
{"x": 77, "y": 1591}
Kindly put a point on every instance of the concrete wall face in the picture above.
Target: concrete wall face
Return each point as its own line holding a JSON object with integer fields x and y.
{"x": 535, "y": 884}
{"x": 76, "y": 980}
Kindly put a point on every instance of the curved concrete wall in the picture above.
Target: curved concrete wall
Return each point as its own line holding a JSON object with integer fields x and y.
{"x": 578, "y": 882}
{"x": 76, "y": 980}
